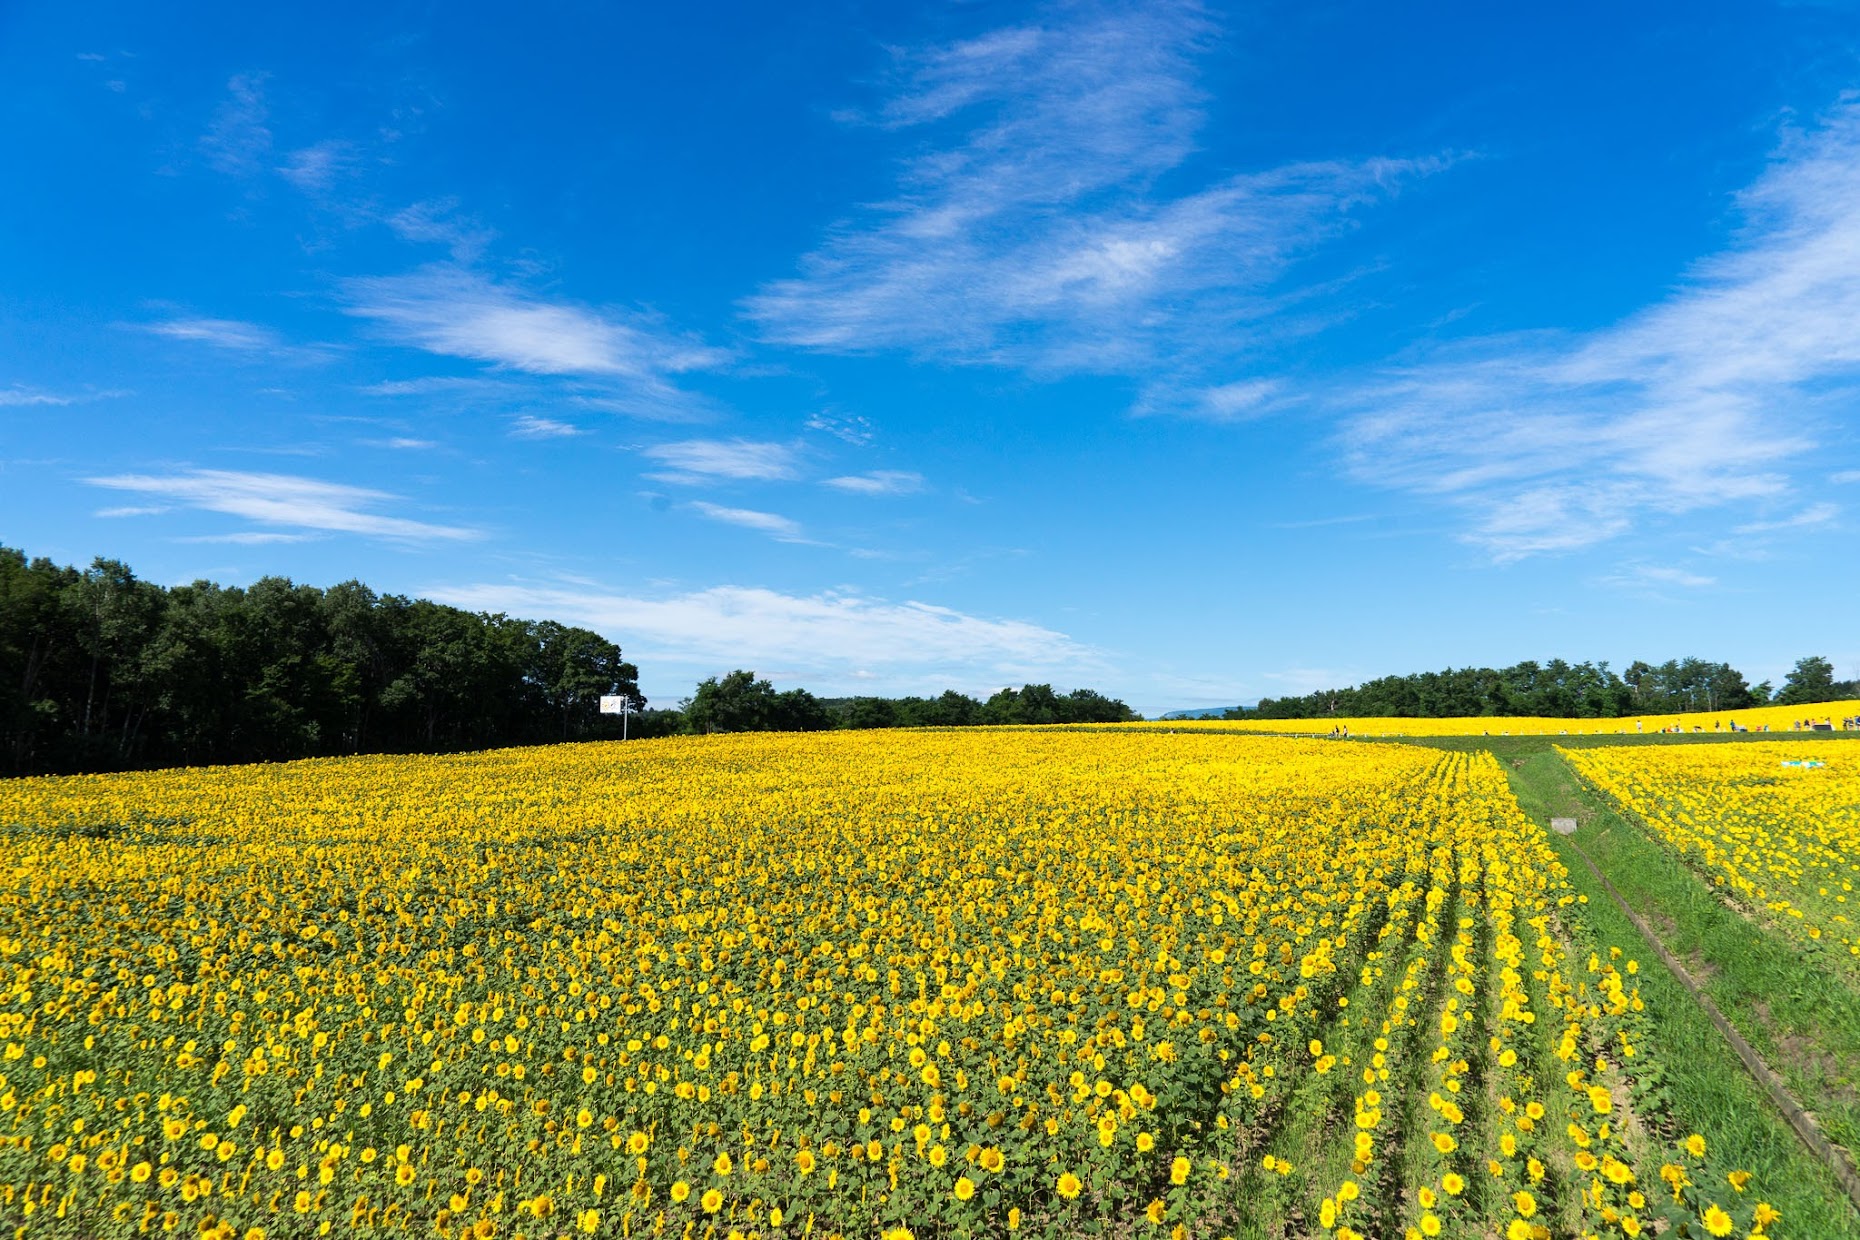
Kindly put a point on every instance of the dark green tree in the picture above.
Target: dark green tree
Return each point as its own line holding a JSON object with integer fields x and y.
{"x": 873, "y": 712}
{"x": 574, "y": 669}
{"x": 1810, "y": 680}
{"x": 951, "y": 709}
{"x": 100, "y": 670}
{"x": 738, "y": 702}
{"x": 1090, "y": 706}
{"x": 37, "y": 646}
{"x": 1030, "y": 704}
{"x": 797, "y": 710}
{"x": 1557, "y": 689}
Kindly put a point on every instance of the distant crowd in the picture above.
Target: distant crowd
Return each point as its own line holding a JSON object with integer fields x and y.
{"x": 1850, "y": 723}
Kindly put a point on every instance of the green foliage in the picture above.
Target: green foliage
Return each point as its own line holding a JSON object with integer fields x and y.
{"x": 739, "y": 702}
{"x": 1555, "y": 690}
{"x": 100, "y": 671}
{"x": 948, "y": 710}
{"x": 1812, "y": 680}
{"x": 1039, "y": 704}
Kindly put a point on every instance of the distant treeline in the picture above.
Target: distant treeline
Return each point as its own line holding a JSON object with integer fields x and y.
{"x": 740, "y": 702}
{"x": 102, "y": 671}
{"x": 1563, "y": 691}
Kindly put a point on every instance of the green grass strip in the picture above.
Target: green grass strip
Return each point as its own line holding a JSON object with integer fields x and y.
{"x": 1802, "y": 1017}
{"x": 1748, "y": 973}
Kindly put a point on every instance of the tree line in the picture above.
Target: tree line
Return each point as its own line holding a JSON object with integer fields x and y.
{"x": 1557, "y": 689}
{"x": 740, "y": 702}
{"x": 100, "y": 670}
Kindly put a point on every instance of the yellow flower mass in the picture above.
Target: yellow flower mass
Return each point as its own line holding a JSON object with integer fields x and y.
{"x": 636, "y": 989}
{"x": 1754, "y": 719}
{"x": 1774, "y": 825}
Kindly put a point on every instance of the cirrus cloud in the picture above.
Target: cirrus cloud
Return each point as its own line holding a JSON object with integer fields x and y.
{"x": 691, "y": 461}
{"x": 450, "y": 310}
{"x": 1037, "y": 235}
{"x": 283, "y": 500}
{"x": 879, "y": 482}
{"x": 1553, "y": 442}
{"x": 773, "y": 524}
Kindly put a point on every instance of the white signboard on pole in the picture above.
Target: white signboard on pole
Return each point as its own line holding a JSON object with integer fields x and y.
{"x": 618, "y": 704}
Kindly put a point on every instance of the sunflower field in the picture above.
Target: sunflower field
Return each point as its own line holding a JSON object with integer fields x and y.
{"x": 927, "y": 984}
{"x": 1750, "y": 719}
{"x": 1774, "y": 826}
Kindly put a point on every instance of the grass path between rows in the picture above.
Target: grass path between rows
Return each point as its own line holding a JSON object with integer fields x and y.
{"x": 1803, "y": 1021}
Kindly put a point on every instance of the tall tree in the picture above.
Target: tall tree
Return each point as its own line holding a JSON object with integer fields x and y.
{"x": 100, "y": 670}
{"x": 737, "y": 702}
{"x": 1810, "y": 680}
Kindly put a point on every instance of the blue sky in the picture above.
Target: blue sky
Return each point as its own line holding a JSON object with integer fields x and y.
{"x": 1194, "y": 354}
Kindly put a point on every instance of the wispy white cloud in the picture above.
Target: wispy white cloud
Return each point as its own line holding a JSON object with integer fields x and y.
{"x": 432, "y": 385}
{"x": 250, "y": 538}
{"x": 772, "y": 524}
{"x": 238, "y": 140}
{"x": 1552, "y": 442}
{"x": 692, "y": 461}
{"x": 1321, "y": 522}
{"x": 254, "y": 340}
{"x": 133, "y": 510}
{"x": 450, "y": 310}
{"x": 220, "y": 333}
{"x": 529, "y": 426}
{"x": 1221, "y": 402}
{"x": 832, "y": 638}
{"x": 1810, "y": 517}
{"x": 1652, "y": 577}
{"x": 879, "y": 482}
{"x": 315, "y": 168}
{"x": 284, "y": 500}
{"x": 854, "y": 430}
{"x": 683, "y": 407}
{"x": 21, "y": 396}
{"x": 1845, "y": 477}
{"x": 1042, "y": 236}
{"x": 402, "y": 443}
{"x": 438, "y": 222}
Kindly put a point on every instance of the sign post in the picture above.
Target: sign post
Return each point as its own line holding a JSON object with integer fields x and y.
{"x": 618, "y": 704}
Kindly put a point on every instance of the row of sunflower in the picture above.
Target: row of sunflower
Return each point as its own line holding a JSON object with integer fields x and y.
{"x": 1487, "y": 1142}
{"x": 1776, "y": 826}
{"x": 944, "y": 984}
